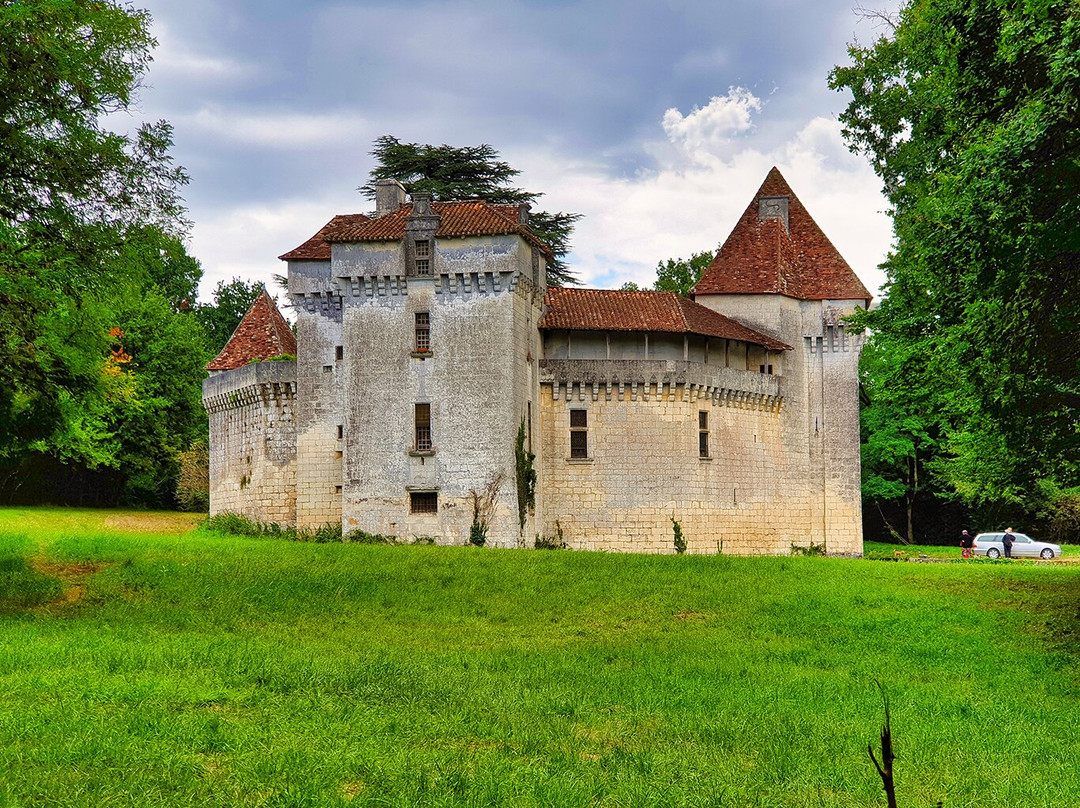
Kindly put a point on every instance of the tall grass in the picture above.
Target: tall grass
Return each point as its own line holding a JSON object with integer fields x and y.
{"x": 206, "y": 669}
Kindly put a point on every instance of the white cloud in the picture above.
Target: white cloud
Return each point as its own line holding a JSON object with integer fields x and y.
{"x": 245, "y": 241}
{"x": 706, "y": 129}
{"x": 174, "y": 59}
{"x": 278, "y": 130}
{"x": 631, "y": 224}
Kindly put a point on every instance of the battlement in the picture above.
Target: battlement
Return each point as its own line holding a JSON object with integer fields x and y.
{"x": 629, "y": 379}
{"x": 265, "y": 382}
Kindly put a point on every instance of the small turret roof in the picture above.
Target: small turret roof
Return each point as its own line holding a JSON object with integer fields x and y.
{"x": 762, "y": 256}
{"x": 262, "y": 334}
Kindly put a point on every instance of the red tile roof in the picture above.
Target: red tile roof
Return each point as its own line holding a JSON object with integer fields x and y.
{"x": 317, "y": 248}
{"x": 613, "y": 310}
{"x": 456, "y": 220}
{"x": 262, "y": 334}
{"x": 762, "y": 257}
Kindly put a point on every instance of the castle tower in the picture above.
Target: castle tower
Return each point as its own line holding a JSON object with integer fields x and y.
{"x": 418, "y": 339}
{"x": 251, "y": 406}
{"x": 778, "y": 273}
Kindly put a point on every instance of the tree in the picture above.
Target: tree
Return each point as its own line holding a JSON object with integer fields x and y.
{"x": 231, "y": 302}
{"x": 470, "y": 172}
{"x": 89, "y": 219}
{"x": 969, "y": 111}
{"x": 681, "y": 275}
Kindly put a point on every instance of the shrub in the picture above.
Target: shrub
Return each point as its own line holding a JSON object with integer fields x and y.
{"x": 680, "y": 539}
{"x": 556, "y": 542}
{"x": 193, "y": 484}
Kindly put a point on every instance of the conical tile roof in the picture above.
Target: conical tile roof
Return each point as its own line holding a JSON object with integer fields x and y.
{"x": 262, "y": 334}
{"x": 762, "y": 256}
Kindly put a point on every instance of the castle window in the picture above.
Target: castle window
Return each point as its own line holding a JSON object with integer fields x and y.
{"x": 703, "y": 434}
{"x": 339, "y": 352}
{"x": 579, "y": 433}
{"x": 767, "y": 369}
{"x": 423, "y": 332}
{"x": 423, "y": 427}
{"x": 422, "y": 254}
{"x": 340, "y": 432}
{"x": 423, "y": 502}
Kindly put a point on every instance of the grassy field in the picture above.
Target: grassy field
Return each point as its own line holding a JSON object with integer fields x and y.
{"x": 143, "y": 663}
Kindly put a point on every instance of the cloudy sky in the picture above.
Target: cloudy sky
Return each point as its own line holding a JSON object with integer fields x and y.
{"x": 656, "y": 120}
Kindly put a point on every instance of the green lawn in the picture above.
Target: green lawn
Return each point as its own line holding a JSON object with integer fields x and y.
{"x": 145, "y": 664}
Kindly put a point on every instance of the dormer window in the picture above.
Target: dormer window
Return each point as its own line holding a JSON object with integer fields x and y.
{"x": 422, "y": 256}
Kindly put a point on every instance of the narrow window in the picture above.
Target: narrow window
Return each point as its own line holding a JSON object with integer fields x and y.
{"x": 340, "y": 432}
{"x": 703, "y": 433}
{"x": 423, "y": 427}
{"x": 339, "y": 352}
{"x": 424, "y": 502}
{"x": 422, "y": 252}
{"x": 579, "y": 433}
{"x": 423, "y": 332}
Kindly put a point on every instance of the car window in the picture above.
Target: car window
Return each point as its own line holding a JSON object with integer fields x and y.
{"x": 1020, "y": 537}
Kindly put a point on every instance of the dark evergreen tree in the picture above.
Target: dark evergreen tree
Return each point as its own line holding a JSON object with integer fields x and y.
{"x": 470, "y": 172}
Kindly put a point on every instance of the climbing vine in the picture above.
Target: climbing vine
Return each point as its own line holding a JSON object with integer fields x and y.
{"x": 526, "y": 476}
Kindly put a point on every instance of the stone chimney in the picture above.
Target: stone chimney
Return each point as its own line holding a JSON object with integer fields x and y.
{"x": 774, "y": 207}
{"x": 523, "y": 213}
{"x": 389, "y": 196}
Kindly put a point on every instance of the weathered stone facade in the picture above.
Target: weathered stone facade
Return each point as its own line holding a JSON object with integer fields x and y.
{"x": 426, "y": 338}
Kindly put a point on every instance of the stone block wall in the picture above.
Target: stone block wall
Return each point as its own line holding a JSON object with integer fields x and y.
{"x": 253, "y": 441}
{"x": 644, "y": 466}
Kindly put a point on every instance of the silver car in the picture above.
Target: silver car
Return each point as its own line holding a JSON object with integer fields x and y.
{"x": 990, "y": 545}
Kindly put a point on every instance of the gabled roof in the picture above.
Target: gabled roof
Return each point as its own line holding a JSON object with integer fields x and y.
{"x": 614, "y": 310}
{"x": 456, "y": 220}
{"x": 761, "y": 256}
{"x": 262, "y": 334}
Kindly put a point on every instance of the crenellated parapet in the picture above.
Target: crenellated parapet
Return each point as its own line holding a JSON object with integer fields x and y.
{"x": 642, "y": 379}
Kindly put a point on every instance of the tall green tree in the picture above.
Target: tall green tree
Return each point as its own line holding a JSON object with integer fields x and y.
{"x": 969, "y": 110}
{"x": 231, "y": 302}
{"x": 470, "y": 172}
{"x": 681, "y": 275}
{"x": 90, "y": 220}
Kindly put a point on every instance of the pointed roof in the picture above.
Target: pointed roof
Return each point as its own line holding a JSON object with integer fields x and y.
{"x": 762, "y": 256}
{"x": 262, "y": 334}
{"x": 474, "y": 217}
{"x": 664, "y": 312}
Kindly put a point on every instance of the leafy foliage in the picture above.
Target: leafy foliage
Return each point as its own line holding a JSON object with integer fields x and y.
{"x": 470, "y": 172}
{"x": 970, "y": 112}
{"x": 231, "y": 302}
{"x": 681, "y": 275}
{"x": 525, "y": 475}
{"x": 100, "y": 359}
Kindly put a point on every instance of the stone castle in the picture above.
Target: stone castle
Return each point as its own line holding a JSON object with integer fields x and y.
{"x": 435, "y": 383}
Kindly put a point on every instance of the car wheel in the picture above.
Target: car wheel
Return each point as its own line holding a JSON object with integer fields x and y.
{"x": 993, "y": 552}
{"x": 1047, "y": 554}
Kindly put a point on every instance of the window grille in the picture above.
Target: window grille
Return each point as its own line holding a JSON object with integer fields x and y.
{"x": 579, "y": 433}
{"x": 424, "y": 502}
{"x": 703, "y": 434}
{"x": 423, "y": 427}
{"x": 423, "y": 331}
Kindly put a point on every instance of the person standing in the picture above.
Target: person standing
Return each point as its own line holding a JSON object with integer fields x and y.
{"x": 1007, "y": 542}
{"x": 965, "y": 544}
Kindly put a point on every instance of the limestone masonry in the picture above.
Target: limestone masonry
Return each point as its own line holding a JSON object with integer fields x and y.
{"x": 427, "y": 339}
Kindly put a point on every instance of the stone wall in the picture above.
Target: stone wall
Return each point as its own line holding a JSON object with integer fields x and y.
{"x": 318, "y": 306}
{"x": 644, "y": 465}
{"x": 253, "y": 441}
{"x": 475, "y": 378}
